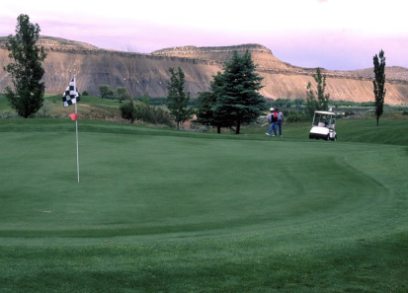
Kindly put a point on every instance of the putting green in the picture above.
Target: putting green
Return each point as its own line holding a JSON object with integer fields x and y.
{"x": 176, "y": 205}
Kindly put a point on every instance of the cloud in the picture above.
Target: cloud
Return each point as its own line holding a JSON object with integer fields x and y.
{"x": 304, "y": 32}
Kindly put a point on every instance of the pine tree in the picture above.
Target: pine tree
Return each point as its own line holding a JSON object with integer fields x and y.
{"x": 208, "y": 114}
{"x": 177, "y": 99}
{"x": 379, "y": 84}
{"x": 238, "y": 100}
{"x": 205, "y": 113}
{"x": 26, "y": 70}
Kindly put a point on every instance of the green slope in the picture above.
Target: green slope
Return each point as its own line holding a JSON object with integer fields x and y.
{"x": 181, "y": 212}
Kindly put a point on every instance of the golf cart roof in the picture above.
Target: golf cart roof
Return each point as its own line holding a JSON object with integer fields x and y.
{"x": 325, "y": 112}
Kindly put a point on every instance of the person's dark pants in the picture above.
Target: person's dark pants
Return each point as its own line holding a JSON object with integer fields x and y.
{"x": 279, "y": 124}
{"x": 274, "y": 128}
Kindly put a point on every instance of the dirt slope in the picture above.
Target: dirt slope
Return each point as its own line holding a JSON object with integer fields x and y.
{"x": 148, "y": 73}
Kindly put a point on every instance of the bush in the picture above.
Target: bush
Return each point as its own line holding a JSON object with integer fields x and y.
{"x": 152, "y": 114}
{"x": 127, "y": 111}
{"x": 146, "y": 113}
{"x": 296, "y": 116}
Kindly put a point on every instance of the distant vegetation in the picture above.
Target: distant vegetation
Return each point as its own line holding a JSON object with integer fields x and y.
{"x": 154, "y": 110}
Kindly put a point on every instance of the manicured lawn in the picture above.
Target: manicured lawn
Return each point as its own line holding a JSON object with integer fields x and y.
{"x": 166, "y": 211}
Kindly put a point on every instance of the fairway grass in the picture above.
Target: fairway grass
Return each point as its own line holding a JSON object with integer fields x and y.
{"x": 165, "y": 211}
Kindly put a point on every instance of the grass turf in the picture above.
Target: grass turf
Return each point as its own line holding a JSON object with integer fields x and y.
{"x": 166, "y": 211}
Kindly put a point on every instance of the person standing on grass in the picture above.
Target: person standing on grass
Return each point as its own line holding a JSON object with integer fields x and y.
{"x": 279, "y": 121}
{"x": 272, "y": 119}
{"x": 269, "y": 119}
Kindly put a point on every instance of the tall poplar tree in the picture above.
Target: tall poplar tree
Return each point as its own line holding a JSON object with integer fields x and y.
{"x": 379, "y": 84}
{"x": 177, "y": 99}
{"x": 25, "y": 69}
{"x": 317, "y": 99}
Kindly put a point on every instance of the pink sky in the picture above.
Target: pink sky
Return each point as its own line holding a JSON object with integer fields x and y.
{"x": 334, "y": 34}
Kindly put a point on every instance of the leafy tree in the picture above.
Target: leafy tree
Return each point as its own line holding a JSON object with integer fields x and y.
{"x": 311, "y": 100}
{"x": 177, "y": 99}
{"x": 317, "y": 99}
{"x": 122, "y": 94}
{"x": 379, "y": 84}
{"x": 238, "y": 100}
{"x": 106, "y": 92}
{"x": 25, "y": 69}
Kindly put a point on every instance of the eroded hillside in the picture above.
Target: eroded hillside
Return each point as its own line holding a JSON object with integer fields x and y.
{"x": 148, "y": 73}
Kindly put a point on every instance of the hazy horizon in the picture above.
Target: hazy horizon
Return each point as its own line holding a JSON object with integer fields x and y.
{"x": 333, "y": 34}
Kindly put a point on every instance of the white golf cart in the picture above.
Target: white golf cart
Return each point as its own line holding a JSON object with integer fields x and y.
{"x": 323, "y": 125}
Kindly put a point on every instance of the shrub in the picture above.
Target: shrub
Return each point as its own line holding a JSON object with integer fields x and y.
{"x": 127, "y": 111}
{"x": 296, "y": 116}
{"x": 152, "y": 114}
{"x": 146, "y": 113}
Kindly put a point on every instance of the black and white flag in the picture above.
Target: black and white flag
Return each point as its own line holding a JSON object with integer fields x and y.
{"x": 71, "y": 94}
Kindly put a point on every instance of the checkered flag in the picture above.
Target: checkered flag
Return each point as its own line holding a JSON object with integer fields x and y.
{"x": 71, "y": 94}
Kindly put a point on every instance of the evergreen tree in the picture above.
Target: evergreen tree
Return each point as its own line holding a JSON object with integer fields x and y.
{"x": 379, "y": 84}
{"x": 25, "y": 69}
{"x": 177, "y": 99}
{"x": 208, "y": 112}
{"x": 238, "y": 100}
{"x": 317, "y": 99}
{"x": 205, "y": 113}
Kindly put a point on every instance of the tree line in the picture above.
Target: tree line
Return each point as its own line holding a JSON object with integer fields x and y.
{"x": 232, "y": 100}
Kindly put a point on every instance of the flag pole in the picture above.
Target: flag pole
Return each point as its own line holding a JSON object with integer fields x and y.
{"x": 76, "y": 131}
{"x": 77, "y": 144}
{"x": 71, "y": 96}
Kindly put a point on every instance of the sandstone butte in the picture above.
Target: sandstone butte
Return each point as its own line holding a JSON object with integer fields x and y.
{"x": 148, "y": 74}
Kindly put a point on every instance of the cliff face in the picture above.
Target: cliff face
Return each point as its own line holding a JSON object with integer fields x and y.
{"x": 261, "y": 55}
{"x": 139, "y": 73}
{"x": 148, "y": 73}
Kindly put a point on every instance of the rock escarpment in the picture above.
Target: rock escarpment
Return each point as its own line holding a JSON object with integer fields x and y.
{"x": 148, "y": 73}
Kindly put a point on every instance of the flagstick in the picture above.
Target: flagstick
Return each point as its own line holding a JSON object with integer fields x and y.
{"x": 77, "y": 145}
